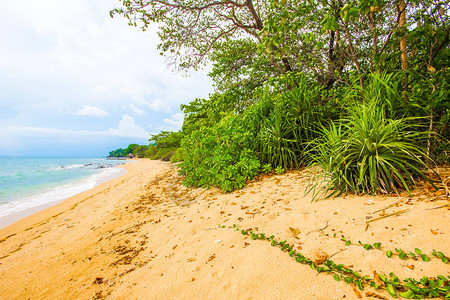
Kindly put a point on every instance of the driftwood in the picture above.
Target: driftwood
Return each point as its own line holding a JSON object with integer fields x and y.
{"x": 387, "y": 207}
{"x": 320, "y": 230}
{"x": 385, "y": 216}
{"x": 342, "y": 250}
{"x": 438, "y": 207}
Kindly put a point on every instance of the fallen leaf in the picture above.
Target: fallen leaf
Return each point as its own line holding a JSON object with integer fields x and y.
{"x": 295, "y": 231}
{"x": 246, "y": 244}
{"x": 320, "y": 258}
{"x": 377, "y": 279}
{"x": 192, "y": 259}
{"x": 233, "y": 203}
{"x": 435, "y": 232}
{"x": 439, "y": 193}
{"x": 409, "y": 266}
{"x": 211, "y": 257}
{"x": 358, "y": 294}
{"x": 244, "y": 207}
{"x": 374, "y": 295}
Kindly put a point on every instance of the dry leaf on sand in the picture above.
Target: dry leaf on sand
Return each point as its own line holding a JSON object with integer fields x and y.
{"x": 295, "y": 231}
{"x": 358, "y": 294}
{"x": 377, "y": 279}
{"x": 320, "y": 258}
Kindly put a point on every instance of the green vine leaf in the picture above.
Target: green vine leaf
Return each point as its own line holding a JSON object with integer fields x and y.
{"x": 368, "y": 246}
{"x": 391, "y": 291}
{"x": 425, "y": 258}
{"x": 408, "y": 294}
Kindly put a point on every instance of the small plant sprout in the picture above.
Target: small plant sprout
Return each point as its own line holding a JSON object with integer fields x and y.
{"x": 279, "y": 170}
{"x": 267, "y": 168}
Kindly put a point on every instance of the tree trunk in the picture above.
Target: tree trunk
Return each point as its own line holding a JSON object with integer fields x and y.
{"x": 374, "y": 37}
{"x": 402, "y": 12}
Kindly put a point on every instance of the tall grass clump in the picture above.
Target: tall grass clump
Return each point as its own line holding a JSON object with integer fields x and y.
{"x": 284, "y": 123}
{"x": 368, "y": 153}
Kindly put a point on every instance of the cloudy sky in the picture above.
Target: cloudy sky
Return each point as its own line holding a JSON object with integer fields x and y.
{"x": 74, "y": 82}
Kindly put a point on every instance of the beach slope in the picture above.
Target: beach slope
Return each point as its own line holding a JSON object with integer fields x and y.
{"x": 145, "y": 236}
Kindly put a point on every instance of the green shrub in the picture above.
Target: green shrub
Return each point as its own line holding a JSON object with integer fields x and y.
{"x": 273, "y": 132}
{"x": 162, "y": 154}
{"x": 368, "y": 153}
{"x": 221, "y": 155}
{"x": 178, "y": 156}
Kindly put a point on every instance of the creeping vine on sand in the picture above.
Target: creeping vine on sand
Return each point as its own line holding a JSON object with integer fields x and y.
{"x": 432, "y": 287}
{"x": 402, "y": 254}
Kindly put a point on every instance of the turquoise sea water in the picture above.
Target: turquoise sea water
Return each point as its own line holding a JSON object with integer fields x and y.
{"x": 26, "y": 182}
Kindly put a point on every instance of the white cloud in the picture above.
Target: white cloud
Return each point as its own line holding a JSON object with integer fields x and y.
{"x": 57, "y": 56}
{"x": 155, "y": 104}
{"x": 79, "y": 42}
{"x": 92, "y": 111}
{"x": 137, "y": 110}
{"x": 175, "y": 122}
{"x": 128, "y": 128}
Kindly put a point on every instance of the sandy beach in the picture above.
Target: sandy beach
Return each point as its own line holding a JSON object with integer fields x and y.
{"x": 145, "y": 236}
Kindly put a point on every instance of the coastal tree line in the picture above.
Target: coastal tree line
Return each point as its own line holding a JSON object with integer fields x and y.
{"x": 360, "y": 88}
{"x": 164, "y": 145}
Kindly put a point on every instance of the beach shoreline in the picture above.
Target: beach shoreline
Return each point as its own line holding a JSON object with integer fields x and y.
{"x": 144, "y": 235}
{"x": 17, "y": 216}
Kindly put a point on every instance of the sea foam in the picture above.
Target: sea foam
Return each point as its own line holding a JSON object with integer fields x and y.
{"x": 28, "y": 183}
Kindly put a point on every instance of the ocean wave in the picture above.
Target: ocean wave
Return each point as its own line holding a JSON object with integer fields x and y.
{"x": 59, "y": 193}
{"x": 74, "y": 166}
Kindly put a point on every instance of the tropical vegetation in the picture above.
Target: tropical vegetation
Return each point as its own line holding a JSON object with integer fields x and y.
{"x": 359, "y": 88}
